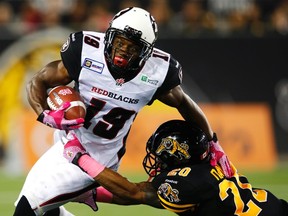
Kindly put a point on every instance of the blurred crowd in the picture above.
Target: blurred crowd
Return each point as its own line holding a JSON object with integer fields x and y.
{"x": 175, "y": 18}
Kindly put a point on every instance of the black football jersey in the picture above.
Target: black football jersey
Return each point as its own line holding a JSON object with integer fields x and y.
{"x": 203, "y": 190}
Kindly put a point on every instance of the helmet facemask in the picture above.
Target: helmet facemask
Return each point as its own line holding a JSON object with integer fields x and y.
{"x": 132, "y": 63}
{"x": 151, "y": 163}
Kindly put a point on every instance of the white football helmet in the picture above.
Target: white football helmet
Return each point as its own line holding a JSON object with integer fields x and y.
{"x": 137, "y": 25}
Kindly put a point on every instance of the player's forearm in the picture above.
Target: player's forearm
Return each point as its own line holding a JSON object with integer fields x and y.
{"x": 189, "y": 110}
{"x": 37, "y": 94}
{"x": 119, "y": 186}
{"x": 109, "y": 179}
{"x": 151, "y": 199}
{"x": 192, "y": 112}
{"x": 126, "y": 192}
{"x": 53, "y": 74}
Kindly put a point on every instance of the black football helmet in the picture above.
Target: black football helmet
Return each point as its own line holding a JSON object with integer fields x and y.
{"x": 175, "y": 143}
{"x": 137, "y": 25}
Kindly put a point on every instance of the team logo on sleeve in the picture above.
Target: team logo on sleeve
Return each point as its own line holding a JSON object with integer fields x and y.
{"x": 168, "y": 193}
{"x": 65, "y": 45}
{"x": 93, "y": 65}
{"x": 169, "y": 199}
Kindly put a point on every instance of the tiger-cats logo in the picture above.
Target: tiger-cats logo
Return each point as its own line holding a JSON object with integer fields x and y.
{"x": 168, "y": 192}
{"x": 173, "y": 147}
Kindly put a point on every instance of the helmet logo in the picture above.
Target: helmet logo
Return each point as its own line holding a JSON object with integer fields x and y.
{"x": 132, "y": 32}
{"x": 168, "y": 192}
{"x": 173, "y": 147}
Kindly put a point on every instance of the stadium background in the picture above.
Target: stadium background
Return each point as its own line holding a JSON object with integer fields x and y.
{"x": 239, "y": 78}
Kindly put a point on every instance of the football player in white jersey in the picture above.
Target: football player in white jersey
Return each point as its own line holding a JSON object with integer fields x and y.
{"x": 117, "y": 73}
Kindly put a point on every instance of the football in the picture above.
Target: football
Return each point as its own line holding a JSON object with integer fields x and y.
{"x": 61, "y": 94}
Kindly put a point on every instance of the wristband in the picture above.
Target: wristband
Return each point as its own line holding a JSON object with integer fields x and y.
{"x": 90, "y": 165}
{"x": 103, "y": 195}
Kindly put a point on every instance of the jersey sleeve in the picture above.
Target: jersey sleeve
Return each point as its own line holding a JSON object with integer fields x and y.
{"x": 71, "y": 54}
{"x": 173, "y": 78}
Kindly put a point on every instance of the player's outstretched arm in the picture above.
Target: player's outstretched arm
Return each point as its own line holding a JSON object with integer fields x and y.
{"x": 116, "y": 188}
{"x": 126, "y": 192}
{"x": 191, "y": 112}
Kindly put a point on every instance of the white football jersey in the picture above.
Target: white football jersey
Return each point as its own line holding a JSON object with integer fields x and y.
{"x": 112, "y": 105}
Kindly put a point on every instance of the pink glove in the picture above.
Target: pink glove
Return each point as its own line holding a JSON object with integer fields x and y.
{"x": 55, "y": 119}
{"x": 72, "y": 147}
{"x": 75, "y": 153}
{"x": 218, "y": 156}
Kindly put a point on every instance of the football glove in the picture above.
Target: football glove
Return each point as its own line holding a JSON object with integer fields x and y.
{"x": 88, "y": 198}
{"x": 55, "y": 119}
{"x": 75, "y": 153}
{"x": 73, "y": 147}
{"x": 218, "y": 156}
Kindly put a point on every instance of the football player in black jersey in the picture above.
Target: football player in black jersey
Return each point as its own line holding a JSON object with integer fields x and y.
{"x": 116, "y": 73}
{"x": 184, "y": 182}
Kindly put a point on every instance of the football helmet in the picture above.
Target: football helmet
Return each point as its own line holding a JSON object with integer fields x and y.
{"x": 136, "y": 25}
{"x": 175, "y": 143}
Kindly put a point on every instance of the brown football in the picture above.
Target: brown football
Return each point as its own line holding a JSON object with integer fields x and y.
{"x": 61, "y": 94}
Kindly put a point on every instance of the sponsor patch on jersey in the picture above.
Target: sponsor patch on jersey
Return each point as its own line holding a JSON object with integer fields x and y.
{"x": 93, "y": 65}
{"x": 145, "y": 78}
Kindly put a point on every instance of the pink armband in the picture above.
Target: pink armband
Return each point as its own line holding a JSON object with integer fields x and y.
{"x": 103, "y": 195}
{"x": 90, "y": 165}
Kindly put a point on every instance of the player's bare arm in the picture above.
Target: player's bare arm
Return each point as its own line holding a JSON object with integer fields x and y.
{"x": 51, "y": 75}
{"x": 189, "y": 110}
{"x": 126, "y": 192}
